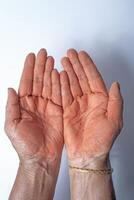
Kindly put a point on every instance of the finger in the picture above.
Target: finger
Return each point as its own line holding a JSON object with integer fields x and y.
{"x": 12, "y": 108}
{"x": 67, "y": 97}
{"x": 26, "y": 82}
{"x": 94, "y": 77}
{"x": 39, "y": 72}
{"x": 47, "y": 83}
{"x": 115, "y": 104}
{"x": 78, "y": 68}
{"x": 56, "y": 90}
{"x": 74, "y": 83}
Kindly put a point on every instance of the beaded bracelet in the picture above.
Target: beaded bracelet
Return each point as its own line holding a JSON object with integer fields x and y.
{"x": 94, "y": 171}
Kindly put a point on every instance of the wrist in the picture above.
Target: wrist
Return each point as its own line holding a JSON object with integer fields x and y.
{"x": 100, "y": 162}
{"x": 49, "y": 167}
{"x": 35, "y": 181}
{"x": 90, "y": 184}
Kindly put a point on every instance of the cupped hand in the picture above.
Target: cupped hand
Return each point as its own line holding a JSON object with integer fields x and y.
{"x": 92, "y": 115}
{"x": 34, "y": 115}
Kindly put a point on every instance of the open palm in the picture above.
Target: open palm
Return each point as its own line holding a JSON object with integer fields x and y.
{"x": 34, "y": 116}
{"x": 92, "y": 117}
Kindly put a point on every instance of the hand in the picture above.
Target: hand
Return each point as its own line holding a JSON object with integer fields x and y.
{"x": 92, "y": 115}
{"x": 34, "y": 115}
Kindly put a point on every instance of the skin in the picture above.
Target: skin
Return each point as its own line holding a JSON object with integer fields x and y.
{"x": 34, "y": 124}
{"x": 92, "y": 121}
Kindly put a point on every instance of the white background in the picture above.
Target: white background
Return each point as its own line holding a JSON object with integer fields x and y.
{"x": 105, "y": 28}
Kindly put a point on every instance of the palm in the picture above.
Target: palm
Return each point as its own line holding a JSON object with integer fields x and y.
{"x": 38, "y": 130}
{"x": 92, "y": 117}
{"x": 88, "y": 130}
{"x": 34, "y": 124}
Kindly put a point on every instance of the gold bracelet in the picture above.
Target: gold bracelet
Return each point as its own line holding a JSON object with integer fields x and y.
{"x": 94, "y": 171}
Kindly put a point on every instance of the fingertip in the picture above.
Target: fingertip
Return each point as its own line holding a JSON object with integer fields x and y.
{"x": 49, "y": 63}
{"x": 64, "y": 60}
{"x": 63, "y": 75}
{"x": 43, "y": 50}
{"x": 30, "y": 59}
{"x": 115, "y": 105}
{"x": 12, "y": 96}
{"x": 83, "y": 54}
{"x": 115, "y": 90}
{"x": 55, "y": 72}
{"x": 115, "y": 85}
{"x": 71, "y": 52}
{"x": 11, "y": 90}
{"x": 31, "y": 55}
{"x": 63, "y": 72}
{"x": 50, "y": 57}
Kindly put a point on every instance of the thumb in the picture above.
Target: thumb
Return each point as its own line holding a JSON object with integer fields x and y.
{"x": 115, "y": 104}
{"x": 12, "y": 108}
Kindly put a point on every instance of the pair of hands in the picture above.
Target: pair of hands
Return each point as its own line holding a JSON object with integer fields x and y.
{"x": 73, "y": 107}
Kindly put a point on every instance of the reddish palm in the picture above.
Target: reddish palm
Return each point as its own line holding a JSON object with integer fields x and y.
{"x": 92, "y": 117}
{"x": 34, "y": 117}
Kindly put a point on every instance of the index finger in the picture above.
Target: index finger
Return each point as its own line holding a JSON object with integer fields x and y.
{"x": 95, "y": 79}
{"x": 26, "y": 82}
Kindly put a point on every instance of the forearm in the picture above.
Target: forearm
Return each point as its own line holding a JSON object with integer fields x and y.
{"x": 91, "y": 186}
{"x": 34, "y": 182}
